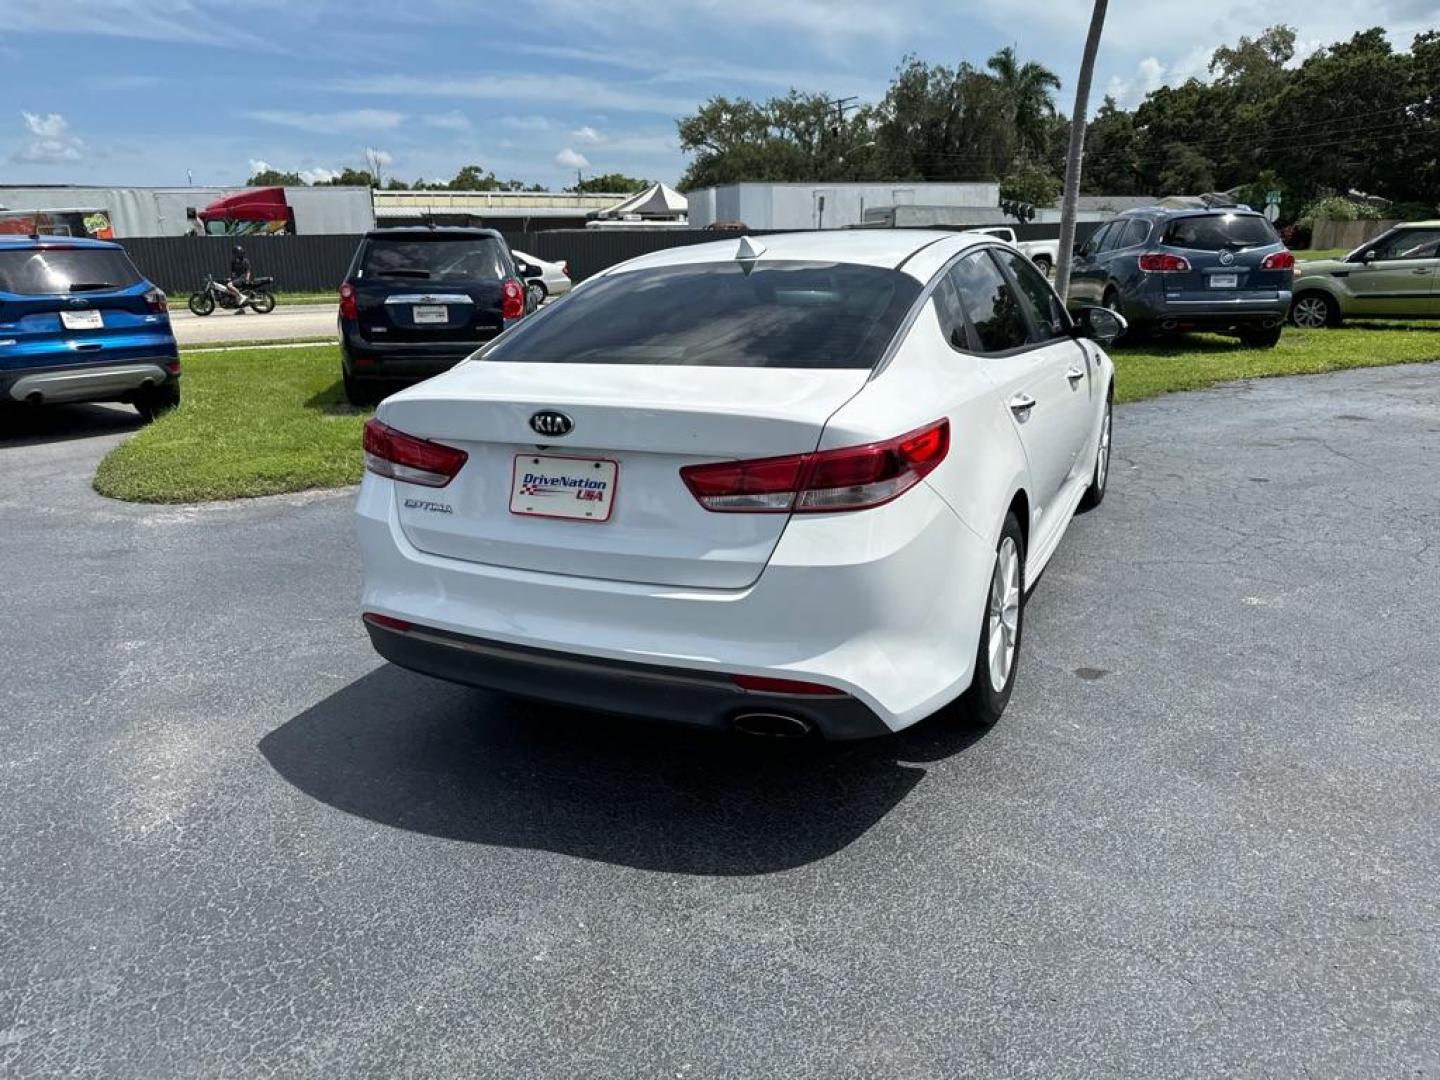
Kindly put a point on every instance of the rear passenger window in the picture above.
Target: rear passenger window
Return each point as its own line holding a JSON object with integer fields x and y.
{"x": 1113, "y": 236}
{"x": 951, "y": 314}
{"x": 991, "y": 304}
{"x": 1135, "y": 233}
{"x": 1096, "y": 239}
{"x": 1037, "y": 297}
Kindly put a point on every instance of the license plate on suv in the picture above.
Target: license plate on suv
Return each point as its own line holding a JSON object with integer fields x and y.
{"x": 1224, "y": 281}
{"x": 430, "y": 313}
{"x": 81, "y": 320}
{"x": 581, "y": 489}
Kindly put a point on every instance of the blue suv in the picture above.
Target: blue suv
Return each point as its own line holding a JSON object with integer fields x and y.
{"x": 1171, "y": 271}
{"x": 78, "y": 322}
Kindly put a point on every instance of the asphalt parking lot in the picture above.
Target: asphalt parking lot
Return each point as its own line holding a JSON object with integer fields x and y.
{"x": 1204, "y": 841}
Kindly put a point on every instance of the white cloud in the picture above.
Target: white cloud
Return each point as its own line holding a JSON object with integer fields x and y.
{"x": 454, "y": 120}
{"x": 571, "y": 159}
{"x": 379, "y": 157}
{"x": 567, "y": 90}
{"x": 526, "y": 123}
{"x": 50, "y": 141}
{"x": 346, "y": 121}
{"x": 257, "y": 165}
{"x": 587, "y": 134}
{"x": 319, "y": 175}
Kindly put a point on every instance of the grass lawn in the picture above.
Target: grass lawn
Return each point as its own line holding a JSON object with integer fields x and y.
{"x": 275, "y": 420}
{"x": 330, "y": 296}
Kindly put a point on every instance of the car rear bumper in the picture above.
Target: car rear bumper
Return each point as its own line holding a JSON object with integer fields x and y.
{"x": 402, "y": 361}
{"x": 84, "y": 382}
{"x": 884, "y": 606}
{"x": 673, "y": 695}
{"x": 1207, "y": 312}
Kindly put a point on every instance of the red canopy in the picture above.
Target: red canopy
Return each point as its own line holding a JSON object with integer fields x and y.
{"x": 257, "y": 204}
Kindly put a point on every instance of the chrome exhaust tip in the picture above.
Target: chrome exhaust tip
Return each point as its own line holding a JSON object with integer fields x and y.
{"x": 767, "y": 725}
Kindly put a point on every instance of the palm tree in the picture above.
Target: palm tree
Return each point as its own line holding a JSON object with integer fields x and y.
{"x": 1027, "y": 89}
{"x": 1077, "y": 149}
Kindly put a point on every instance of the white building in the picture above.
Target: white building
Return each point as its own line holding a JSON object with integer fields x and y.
{"x": 832, "y": 206}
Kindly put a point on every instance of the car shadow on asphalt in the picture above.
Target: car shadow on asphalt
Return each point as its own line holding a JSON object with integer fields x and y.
{"x": 25, "y": 425}
{"x": 406, "y": 751}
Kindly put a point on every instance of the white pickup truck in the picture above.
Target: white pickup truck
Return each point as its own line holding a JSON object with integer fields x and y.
{"x": 1042, "y": 253}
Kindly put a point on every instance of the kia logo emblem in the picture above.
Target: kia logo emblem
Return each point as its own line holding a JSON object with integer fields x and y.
{"x": 553, "y": 424}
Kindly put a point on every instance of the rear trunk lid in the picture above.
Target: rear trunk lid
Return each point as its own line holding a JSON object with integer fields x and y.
{"x": 1226, "y": 253}
{"x": 649, "y": 422}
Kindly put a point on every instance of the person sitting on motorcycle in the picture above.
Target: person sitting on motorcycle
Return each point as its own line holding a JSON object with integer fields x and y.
{"x": 240, "y": 274}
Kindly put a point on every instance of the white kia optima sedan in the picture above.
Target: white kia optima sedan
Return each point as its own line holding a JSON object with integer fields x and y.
{"x": 787, "y": 484}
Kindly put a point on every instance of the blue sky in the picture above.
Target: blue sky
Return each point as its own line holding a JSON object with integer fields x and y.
{"x": 139, "y": 92}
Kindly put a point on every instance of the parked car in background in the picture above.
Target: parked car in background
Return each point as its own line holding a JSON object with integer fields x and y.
{"x": 1167, "y": 271}
{"x": 78, "y": 322}
{"x": 417, "y": 301}
{"x": 1043, "y": 253}
{"x": 1394, "y": 276}
{"x": 793, "y": 485}
{"x": 548, "y": 278}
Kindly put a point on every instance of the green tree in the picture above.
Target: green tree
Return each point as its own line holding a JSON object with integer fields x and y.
{"x": 609, "y": 183}
{"x": 1033, "y": 185}
{"x": 351, "y": 177}
{"x": 275, "y": 178}
{"x": 1112, "y": 157}
{"x": 1187, "y": 172}
{"x": 1027, "y": 91}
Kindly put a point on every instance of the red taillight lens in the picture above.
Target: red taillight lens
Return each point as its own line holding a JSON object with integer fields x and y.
{"x": 1281, "y": 260}
{"x": 764, "y": 685}
{"x": 388, "y": 622}
{"x": 827, "y": 481}
{"x": 565, "y": 268}
{"x": 512, "y": 299}
{"x": 1155, "y": 262}
{"x": 348, "y": 308}
{"x": 172, "y": 367}
{"x": 404, "y": 457}
{"x": 156, "y": 302}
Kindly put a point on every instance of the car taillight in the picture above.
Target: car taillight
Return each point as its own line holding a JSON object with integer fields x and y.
{"x": 512, "y": 299}
{"x": 348, "y": 309}
{"x": 565, "y": 267}
{"x": 764, "y": 685}
{"x": 156, "y": 302}
{"x": 827, "y": 481}
{"x": 404, "y": 457}
{"x": 1155, "y": 262}
{"x": 1281, "y": 260}
{"x": 172, "y": 367}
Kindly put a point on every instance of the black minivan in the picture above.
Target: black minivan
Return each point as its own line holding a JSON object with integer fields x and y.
{"x": 417, "y": 301}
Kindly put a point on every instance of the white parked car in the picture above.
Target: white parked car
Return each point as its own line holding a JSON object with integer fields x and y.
{"x": 785, "y": 487}
{"x": 552, "y": 277}
{"x": 1043, "y": 253}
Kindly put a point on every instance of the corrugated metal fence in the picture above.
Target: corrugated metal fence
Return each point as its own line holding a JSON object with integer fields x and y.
{"x": 178, "y": 264}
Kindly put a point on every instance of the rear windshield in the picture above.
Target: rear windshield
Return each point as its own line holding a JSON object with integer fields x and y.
{"x": 781, "y": 315}
{"x": 468, "y": 258}
{"x": 65, "y": 270}
{"x": 1214, "y": 232}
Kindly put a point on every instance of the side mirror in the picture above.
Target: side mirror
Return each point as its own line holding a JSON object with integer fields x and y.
{"x": 1100, "y": 324}
{"x": 1369, "y": 257}
{"x": 1077, "y": 249}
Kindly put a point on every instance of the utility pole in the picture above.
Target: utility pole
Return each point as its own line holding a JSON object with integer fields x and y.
{"x": 1076, "y": 152}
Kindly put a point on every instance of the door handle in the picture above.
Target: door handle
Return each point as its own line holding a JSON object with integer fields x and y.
{"x": 1021, "y": 404}
{"x": 1427, "y": 270}
{"x": 1074, "y": 375}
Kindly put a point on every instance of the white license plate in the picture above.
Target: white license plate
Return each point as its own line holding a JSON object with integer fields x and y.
{"x": 81, "y": 320}
{"x": 581, "y": 489}
{"x": 1224, "y": 281}
{"x": 428, "y": 313}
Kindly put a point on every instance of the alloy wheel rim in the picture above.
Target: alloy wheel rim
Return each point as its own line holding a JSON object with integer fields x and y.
{"x": 1311, "y": 313}
{"x": 1102, "y": 464}
{"x": 1004, "y": 614}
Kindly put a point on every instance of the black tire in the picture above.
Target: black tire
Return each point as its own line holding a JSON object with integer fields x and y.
{"x": 358, "y": 392}
{"x": 157, "y": 401}
{"x": 263, "y": 302}
{"x": 202, "y": 304}
{"x": 983, "y": 704}
{"x": 1114, "y": 303}
{"x": 1261, "y": 338}
{"x": 1043, "y": 264}
{"x": 1305, "y": 306}
{"x": 1100, "y": 475}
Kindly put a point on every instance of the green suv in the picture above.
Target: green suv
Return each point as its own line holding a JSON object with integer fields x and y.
{"x": 1394, "y": 276}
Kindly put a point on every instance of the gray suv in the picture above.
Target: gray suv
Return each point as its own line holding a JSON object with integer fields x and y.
{"x": 1170, "y": 271}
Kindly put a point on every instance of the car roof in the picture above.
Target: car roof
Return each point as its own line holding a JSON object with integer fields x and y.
{"x": 888, "y": 248}
{"x": 1166, "y": 212}
{"x": 13, "y": 242}
{"x": 412, "y": 231}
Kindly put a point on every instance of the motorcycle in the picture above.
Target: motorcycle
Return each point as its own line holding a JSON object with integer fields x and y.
{"x": 255, "y": 294}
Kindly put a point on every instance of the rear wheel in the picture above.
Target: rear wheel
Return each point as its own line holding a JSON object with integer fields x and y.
{"x": 1114, "y": 303}
{"x": 1314, "y": 311}
{"x": 202, "y": 303}
{"x": 1261, "y": 338}
{"x": 358, "y": 392}
{"x": 156, "y": 401}
{"x": 997, "y": 657}
{"x": 263, "y": 302}
{"x": 1043, "y": 264}
{"x": 1095, "y": 493}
